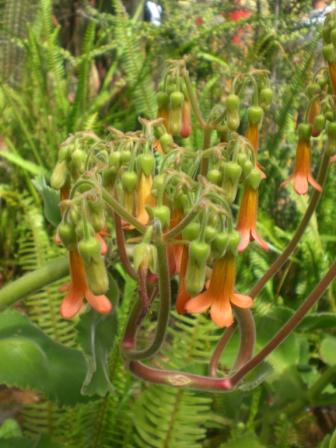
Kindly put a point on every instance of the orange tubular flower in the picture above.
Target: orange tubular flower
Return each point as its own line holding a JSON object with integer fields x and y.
{"x": 247, "y": 219}
{"x": 182, "y": 295}
{"x": 221, "y": 293}
{"x": 252, "y": 135}
{"x": 332, "y": 74}
{"x": 301, "y": 176}
{"x": 78, "y": 290}
{"x": 175, "y": 250}
{"x": 144, "y": 198}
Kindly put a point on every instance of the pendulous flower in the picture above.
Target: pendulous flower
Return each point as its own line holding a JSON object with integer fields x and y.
{"x": 302, "y": 172}
{"x": 78, "y": 290}
{"x": 220, "y": 294}
{"x": 247, "y": 219}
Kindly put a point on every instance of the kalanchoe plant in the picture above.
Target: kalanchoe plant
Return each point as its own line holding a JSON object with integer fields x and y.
{"x": 171, "y": 210}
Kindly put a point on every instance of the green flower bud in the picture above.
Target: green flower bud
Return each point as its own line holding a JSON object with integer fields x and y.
{"x": 162, "y": 99}
{"x": 175, "y": 121}
{"x": 220, "y": 244}
{"x": 196, "y": 268}
{"x": 96, "y": 275}
{"x": 162, "y": 213}
{"x": 64, "y": 153}
{"x": 255, "y": 115}
{"x": 166, "y": 142}
{"x": 191, "y": 231}
{"x": 232, "y": 170}
{"x": 232, "y": 103}
{"x": 304, "y": 131}
{"x": 59, "y": 175}
{"x": 266, "y": 96}
{"x": 328, "y": 52}
{"x": 234, "y": 240}
{"x": 319, "y": 122}
{"x": 78, "y": 158}
{"x": 209, "y": 233}
{"x": 214, "y": 176}
{"x": 129, "y": 180}
{"x": 241, "y": 159}
{"x": 146, "y": 163}
{"x": 67, "y": 235}
{"x": 248, "y": 166}
{"x": 233, "y": 120}
{"x": 115, "y": 159}
{"x": 176, "y": 99}
{"x": 254, "y": 178}
{"x": 145, "y": 256}
{"x": 125, "y": 156}
{"x": 331, "y": 130}
{"x": 199, "y": 251}
{"x": 89, "y": 249}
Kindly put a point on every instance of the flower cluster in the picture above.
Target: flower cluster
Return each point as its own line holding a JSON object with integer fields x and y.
{"x": 127, "y": 184}
{"x": 203, "y": 202}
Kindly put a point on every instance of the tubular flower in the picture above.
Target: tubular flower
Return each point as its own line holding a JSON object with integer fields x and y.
{"x": 182, "y": 295}
{"x": 144, "y": 197}
{"x": 78, "y": 290}
{"x": 220, "y": 293}
{"x": 332, "y": 74}
{"x": 247, "y": 219}
{"x": 301, "y": 176}
{"x": 252, "y": 135}
{"x": 175, "y": 250}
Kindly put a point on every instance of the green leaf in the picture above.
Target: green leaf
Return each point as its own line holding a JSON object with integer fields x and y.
{"x": 316, "y": 321}
{"x": 249, "y": 439}
{"x": 96, "y": 334}
{"x": 17, "y": 160}
{"x": 51, "y": 200}
{"x": 32, "y": 360}
{"x": 288, "y": 353}
{"x": 328, "y": 350}
{"x": 256, "y": 377}
{"x": 9, "y": 429}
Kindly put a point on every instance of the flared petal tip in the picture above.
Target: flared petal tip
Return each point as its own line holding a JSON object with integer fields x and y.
{"x": 100, "y": 303}
{"x": 70, "y": 306}
{"x": 199, "y": 303}
{"x": 241, "y": 300}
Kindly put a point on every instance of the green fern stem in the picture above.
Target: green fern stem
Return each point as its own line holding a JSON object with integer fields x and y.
{"x": 16, "y": 290}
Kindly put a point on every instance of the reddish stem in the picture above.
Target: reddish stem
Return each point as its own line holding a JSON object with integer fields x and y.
{"x": 288, "y": 327}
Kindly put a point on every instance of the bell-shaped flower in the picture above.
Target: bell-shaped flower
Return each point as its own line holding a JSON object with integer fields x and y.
{"x": 220, "y": 294}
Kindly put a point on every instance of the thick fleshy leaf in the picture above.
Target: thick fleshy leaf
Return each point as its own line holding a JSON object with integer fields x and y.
{"x": 315, "y": 321}
{"x": 328, "y": 350}
{"x": 51, "y": 201}
{"x": 32, "y": 360}
{"x": 256, "y": 377}
{"x": 96, "y": 333}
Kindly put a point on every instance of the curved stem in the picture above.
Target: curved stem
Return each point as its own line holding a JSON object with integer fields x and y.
{"x": 214, "y": 360}
{"x": 119, "y": 209}
{"x": 288, "y": 327}
{"x": 165, "y": 303}
{"x": 31, "y": 282}
{"x": 278, "y": 263}
{"x": 247, "y": 341}
{"x": 206, "y": 144}
{"x": 247, "y": 336}
{"x": 175, "y": 231}
{"x": 179, "y": 379}
{"x": 193, "y": 99}
{"x": 120, "y": 239}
